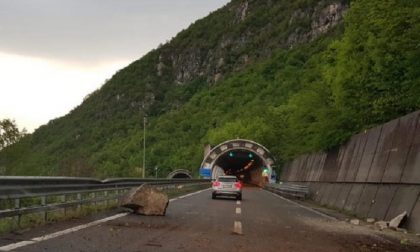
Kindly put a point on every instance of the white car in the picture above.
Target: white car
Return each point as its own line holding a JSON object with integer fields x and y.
{"x": 227, "y": 186}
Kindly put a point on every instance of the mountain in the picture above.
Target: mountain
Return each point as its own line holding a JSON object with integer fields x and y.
{"x": 293, "y": 75}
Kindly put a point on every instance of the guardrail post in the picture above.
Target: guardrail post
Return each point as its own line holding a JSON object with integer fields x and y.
{"x": 17, "y": 218}
{"x": 44, "y": 203}
{"x": 106, "y": 198}
{"x": 79, "y": 199}
{"x": 94, "y": 201}
{"x": 64, "y": 199}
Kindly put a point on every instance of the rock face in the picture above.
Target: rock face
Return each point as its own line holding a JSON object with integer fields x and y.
{"x": 146, "y": 200}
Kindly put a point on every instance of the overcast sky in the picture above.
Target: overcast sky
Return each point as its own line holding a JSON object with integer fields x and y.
{"x": 55, "y": 52}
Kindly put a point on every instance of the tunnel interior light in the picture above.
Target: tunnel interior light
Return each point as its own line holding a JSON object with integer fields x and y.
{"x": 251, "y": 156}
{"x": 231, "y": 154}
{"x": 265, "y": 172}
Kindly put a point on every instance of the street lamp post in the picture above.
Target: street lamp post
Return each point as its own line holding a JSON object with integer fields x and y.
{"x": 144, "y": 147}
{"x": 156, "y": 170}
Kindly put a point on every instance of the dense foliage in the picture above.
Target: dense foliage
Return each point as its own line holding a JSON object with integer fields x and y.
{"x": 9, "y": 133}
{"x": 298, "y": 99}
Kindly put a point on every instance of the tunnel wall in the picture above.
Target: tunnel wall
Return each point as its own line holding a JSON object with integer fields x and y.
{"x": 375, "y": 174}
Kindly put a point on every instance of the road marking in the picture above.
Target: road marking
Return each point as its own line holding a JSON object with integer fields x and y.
{"x": 237, "y": 227}
{"x": 188, "y": 195}
{"x": 302, "y": 206}
{"x": 238, "y": 202}
{"x": 238, "y": 210}
{"x": 75, "y": 229}
{"x": 16, "y": 245}
{"x": 59, "y": 233}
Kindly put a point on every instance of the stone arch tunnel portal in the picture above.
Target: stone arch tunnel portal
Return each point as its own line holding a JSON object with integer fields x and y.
{"x": 251, "y": 162}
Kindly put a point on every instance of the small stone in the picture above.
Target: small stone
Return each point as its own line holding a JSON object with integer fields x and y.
{"x": 370, "y": 220}
{"x": 381, "y": 225}
{"x": 355, "y": 221}
{"x": 396, "y": 222}
{"x": 402, "y": 230}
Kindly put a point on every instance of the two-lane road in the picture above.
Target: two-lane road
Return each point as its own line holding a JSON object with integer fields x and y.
{"x": 262, "y": 221}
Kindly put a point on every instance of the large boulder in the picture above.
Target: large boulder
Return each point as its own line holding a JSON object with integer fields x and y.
{"x": 146, "y": 200}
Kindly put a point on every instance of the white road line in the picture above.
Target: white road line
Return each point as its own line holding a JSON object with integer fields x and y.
{"x": 238, "y": 210}
{"x": 238, "y": 202}
{"x": 16, "y": 245}
{"x": 237, "y": 227}
{"x": 13, "y": 246}
{"x": 75, "y": 229}
{"x": 304, "y": 207}
{"x": 59, "y": 233}
{"x": 188, "y": 195}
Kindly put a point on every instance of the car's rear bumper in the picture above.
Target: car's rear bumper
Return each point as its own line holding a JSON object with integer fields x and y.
{"x": 221, "y": 192}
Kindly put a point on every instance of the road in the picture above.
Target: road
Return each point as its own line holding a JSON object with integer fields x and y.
{"x": 262, "y": 221}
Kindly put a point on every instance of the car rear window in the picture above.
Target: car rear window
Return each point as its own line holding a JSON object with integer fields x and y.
{"x": 227, "y": 179}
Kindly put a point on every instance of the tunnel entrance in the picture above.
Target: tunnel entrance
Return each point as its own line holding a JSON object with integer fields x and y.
{"x": 245, "y": 165}
{"x": 249, "y": 161}
{"x": 180, "y": 174}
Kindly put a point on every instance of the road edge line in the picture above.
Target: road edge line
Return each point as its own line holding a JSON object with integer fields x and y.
{"x": 302, "y": 206}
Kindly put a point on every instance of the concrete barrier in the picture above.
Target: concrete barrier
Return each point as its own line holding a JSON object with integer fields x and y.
{"x": 353, "y": 198}
{"x": 367, "y": 199}
{"x": 382, "y": 201}
{"x": 375, "y": 174}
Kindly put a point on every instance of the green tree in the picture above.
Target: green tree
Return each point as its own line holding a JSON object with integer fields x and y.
{"x": 9, "y": 133}
{"x": 375, "y": 74}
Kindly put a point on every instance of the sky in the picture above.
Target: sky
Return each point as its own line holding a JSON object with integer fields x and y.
{"x": 53, "y": 53}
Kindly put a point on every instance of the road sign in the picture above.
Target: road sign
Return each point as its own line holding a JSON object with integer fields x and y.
{"x": 205, "y": 172}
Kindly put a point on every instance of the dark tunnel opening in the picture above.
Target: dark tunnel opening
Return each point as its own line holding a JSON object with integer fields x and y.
{"x": 181, "y": 176}
{"x": 245, "y": 165}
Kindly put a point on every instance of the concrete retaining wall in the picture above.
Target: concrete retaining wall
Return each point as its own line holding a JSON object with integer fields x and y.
{"x": 375, "y": 174}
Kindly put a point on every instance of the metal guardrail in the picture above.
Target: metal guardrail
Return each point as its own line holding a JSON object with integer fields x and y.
{"x": 289, "y": 190}
{"x": 27, "y": 195}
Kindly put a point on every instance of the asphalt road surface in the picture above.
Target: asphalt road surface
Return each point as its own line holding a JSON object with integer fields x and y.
{"x": 262, "y": 221}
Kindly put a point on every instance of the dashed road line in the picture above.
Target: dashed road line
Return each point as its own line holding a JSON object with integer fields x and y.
{"x": 237, "y": 227}
{"x": 238, "y": 202}
{"x": 238, "y": 210}
{"x": 13, "y": 246}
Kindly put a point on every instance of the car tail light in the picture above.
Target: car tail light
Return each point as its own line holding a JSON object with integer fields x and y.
{"x": 238, "y": 185}
{"x": 216, "y": 183}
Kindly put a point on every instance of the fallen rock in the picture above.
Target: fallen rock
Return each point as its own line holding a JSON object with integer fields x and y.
{"x": 146, "y": 200}
{"x": 355, "y": 221}
{"x": 370, "y": 220}
{"x": 396, "y": 222}
{"x": 381, "y": 225}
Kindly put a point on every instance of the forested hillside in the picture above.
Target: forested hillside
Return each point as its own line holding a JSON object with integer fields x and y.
{"x": 292, "y": 75}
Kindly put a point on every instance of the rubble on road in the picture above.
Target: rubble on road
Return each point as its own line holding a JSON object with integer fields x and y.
{"x": 355, "y": 221}
{"x": 396, "y": 222}
{"x": 381, "y": 225}
{"x": 146, "y": 200}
